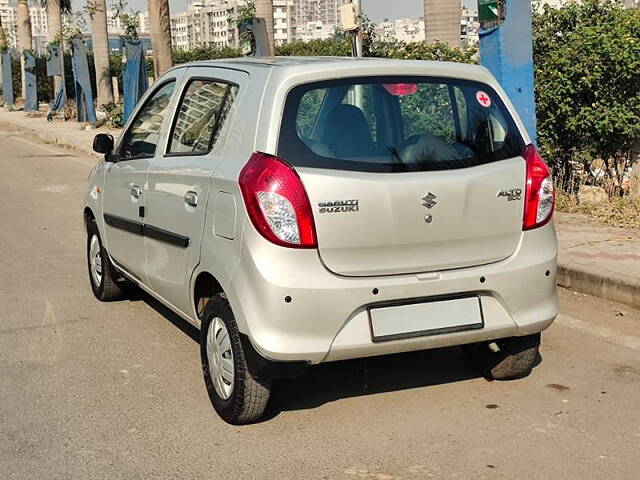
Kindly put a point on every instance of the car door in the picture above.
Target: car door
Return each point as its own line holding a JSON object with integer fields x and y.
{"x": 180, "y": 179}
{"x": 126, "y": 179}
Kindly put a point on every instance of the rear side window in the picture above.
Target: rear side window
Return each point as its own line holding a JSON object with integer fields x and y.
{"x": 203, "y": 109}
{"x": 396, "y": 124}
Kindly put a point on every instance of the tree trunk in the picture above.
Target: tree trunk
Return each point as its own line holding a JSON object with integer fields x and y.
{"x": 160, "y": 36}
{"x": 101, "y": 52}
{"x": 54, "y": 22}
{"x": 3, "y": 47}
{"x": 264, "y": 10}
{"x": 3, "y": 37}
{"x": 442, "y": 20}
{"x": 24, "y": 37}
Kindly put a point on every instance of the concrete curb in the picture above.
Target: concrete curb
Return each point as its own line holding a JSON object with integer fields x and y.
{"x": 65, "y": 134}
{"x": 608, "y": 287}
{"x": 49, "y": 138}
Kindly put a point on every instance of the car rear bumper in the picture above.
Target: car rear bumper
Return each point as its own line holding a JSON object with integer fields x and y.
{"x": 293, "y": 309}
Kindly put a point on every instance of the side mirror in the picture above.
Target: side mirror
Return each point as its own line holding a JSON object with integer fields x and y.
{"x": 103, "y": 143}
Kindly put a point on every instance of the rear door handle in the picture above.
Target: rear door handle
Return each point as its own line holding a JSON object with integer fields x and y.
{"x": 136, "y": 191}
{"x": 191, "y": 199}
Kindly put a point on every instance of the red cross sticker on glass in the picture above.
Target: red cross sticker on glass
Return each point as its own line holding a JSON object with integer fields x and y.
{"x": 483, "y": 99}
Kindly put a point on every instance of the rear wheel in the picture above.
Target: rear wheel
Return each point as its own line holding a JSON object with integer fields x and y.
{"x": 505, "y": 359}
{"x": 236, "y": 395}
{"x": 102, "y": 274}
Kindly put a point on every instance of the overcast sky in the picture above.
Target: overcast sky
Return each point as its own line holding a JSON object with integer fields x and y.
{"x": 377, "y": 10}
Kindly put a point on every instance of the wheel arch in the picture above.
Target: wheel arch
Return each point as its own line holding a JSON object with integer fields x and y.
{"x": 205, "y": 286}
{"x": 88, "y": 215}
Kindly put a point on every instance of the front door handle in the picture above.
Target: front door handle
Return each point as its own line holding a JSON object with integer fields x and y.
{"x": 136, "y": 191}
{"x": 191, "y": 199}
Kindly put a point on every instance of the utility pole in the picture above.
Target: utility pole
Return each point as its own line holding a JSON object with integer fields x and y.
{"x": 289, "y": 20}
{"x": 350, "y": 21}
{"x": 358, "y": 32}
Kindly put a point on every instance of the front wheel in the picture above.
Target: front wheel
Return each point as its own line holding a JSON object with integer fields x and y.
{"x": 505, "y": 359}
{"x": 102, "y": 274}
{"x": 236, "y": 395}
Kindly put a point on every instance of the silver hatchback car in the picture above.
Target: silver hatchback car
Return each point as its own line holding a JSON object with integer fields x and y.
{"x": 309, "y": 210}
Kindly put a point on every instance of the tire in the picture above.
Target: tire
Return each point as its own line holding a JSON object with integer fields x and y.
{"x": 239, "y": 399}
{"x": 515, "y": 359}
{"x": 102, "y": 273}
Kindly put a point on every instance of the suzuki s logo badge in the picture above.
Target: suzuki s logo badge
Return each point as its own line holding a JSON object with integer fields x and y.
{"x": 511, "y": 194}
{"x": 429, "y": 200}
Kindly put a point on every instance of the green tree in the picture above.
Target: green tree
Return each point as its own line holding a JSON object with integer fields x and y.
{"x": 587, "y": 65}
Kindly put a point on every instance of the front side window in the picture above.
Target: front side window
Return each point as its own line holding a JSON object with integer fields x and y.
{"x": 203, "y": 109}
{"x": 395, "y": 124}
{"x": 142, "y": 138}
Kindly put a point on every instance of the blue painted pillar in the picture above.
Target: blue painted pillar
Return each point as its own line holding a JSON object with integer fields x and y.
{"x": 82, "y": 82}
{"x": 134, "y": 76}
{"x": 507, "y": 51}
{"x": 55, "y": 68}
{"x": 31, "y": 92}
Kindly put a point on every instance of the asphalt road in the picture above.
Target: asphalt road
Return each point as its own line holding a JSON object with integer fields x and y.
{"x": 114, "y": 391}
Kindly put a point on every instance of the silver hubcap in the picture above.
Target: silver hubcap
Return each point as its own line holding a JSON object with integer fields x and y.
{"x": 220, "y": 357}
{"x": 95, "y": 260}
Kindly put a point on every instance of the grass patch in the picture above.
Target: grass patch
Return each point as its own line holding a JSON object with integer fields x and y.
{"x": 618, "y": 212}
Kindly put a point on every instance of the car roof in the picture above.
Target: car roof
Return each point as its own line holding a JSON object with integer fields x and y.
{"x": 368, "y": 65}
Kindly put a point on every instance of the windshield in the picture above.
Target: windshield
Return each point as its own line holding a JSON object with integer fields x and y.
{"x": 396, "y": 124}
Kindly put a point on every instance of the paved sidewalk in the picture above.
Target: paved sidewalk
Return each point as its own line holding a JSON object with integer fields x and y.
{"x": 68, "y": 134}
{"x": 599, "y": 260}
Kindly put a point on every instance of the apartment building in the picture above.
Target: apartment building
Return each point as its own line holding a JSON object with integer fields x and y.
{"x": 206, "y": 23}
{"x": 413, "y": 29}
{"x": 402, "y": 29}
{"x": 180, "y": 30}
{"x": 325, "y": 11}
{"x": 39, "y": 26}
{"x": 470, "y": 27}
{"x": 284, "y": 26}
{"x": 317, "y": 30}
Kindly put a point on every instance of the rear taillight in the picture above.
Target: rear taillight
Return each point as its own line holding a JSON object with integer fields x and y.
{"x": 540, "y": 198}
{"x": 277, "y": 202}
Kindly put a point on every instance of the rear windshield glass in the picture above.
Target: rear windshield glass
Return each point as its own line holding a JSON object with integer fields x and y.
{"x": 396, "y": 124}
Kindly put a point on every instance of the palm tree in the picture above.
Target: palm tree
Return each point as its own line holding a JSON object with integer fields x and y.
{"x": 442, "y": 21}
{"x": 264, "y": 10}
{"x": 99, "y": 35}
{"x": 24, "y": 37}
{"x": 160, "y": 35}
{"x": 3, "y": 37}
{"x": 55, "y": 10}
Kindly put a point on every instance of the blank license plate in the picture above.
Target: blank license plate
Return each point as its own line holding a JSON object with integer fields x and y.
{"x": 427, "y": 318}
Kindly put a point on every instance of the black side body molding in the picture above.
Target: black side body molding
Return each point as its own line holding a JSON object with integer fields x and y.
{"x": 124, "y": 224}
{"x": 166, "y": 236}
{"x": 144, "y": 230}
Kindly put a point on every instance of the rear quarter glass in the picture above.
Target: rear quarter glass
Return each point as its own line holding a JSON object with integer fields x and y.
{"x": 396, "y": 124}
